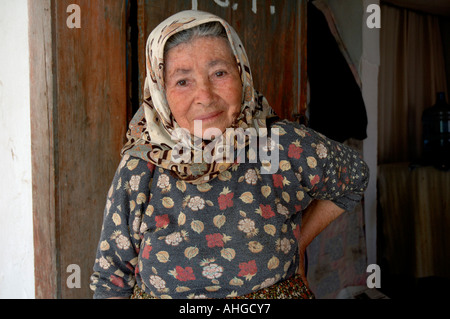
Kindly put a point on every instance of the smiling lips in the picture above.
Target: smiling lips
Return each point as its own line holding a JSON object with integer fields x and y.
{"x": 209, "y": 116}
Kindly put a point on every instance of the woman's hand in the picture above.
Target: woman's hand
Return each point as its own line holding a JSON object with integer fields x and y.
{"x": 317, "y": 216}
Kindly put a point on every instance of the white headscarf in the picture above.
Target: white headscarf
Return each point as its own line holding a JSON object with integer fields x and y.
{"x": 153, "y": 132}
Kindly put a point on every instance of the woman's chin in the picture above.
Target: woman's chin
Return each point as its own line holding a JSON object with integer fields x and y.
{"x": 212, "y": 132}
{"x": 211, "y": 129}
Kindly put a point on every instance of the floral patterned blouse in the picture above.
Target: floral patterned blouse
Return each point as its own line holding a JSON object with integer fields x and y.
{"x": 229, "y": 237}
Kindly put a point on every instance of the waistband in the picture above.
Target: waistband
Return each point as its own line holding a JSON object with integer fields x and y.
{"x": 292, "y": 288}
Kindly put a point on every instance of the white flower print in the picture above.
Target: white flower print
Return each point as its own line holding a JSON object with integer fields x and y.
{"x": 174, "y": 239}
{"x": 246, "y": 225}
{"x": 108, "y": 206}
{"x": 284, "y": 245}
{"x": 270, "y": 145}
{"x": 213, "y": 271}
{"x": 136, "y": 224}
{"x": 104, "y": 263}
{"x": 251, "y": 177}
{"x": 301, "y": 131}
{"x": 134, "y": 182}
{"x": 124, "y": 161}
{"x": 282, "y": 210}
{"x": 163, "y": 181}
{"x": 321, "y": 150}
{"x": 143, "y": 228}
{"x": 267, "y": 283}
{"x": 196, "y": 203}
{"x": 157, "y": 282}
{"x": 312, "y": 162}
{"x": 123, "y": 242}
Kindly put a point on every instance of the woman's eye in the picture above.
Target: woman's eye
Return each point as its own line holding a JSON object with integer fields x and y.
{"x": 220, "y": 73}
{"x": 182, "y": 83}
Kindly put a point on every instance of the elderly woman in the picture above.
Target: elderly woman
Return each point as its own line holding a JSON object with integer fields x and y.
{"x": 176, "y": 227}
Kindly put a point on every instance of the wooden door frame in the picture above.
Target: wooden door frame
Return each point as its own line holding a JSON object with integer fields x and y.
{"x": 43, "y": 157}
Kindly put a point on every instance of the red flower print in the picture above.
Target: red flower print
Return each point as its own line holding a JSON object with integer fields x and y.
{"x": 314, "y": 179}
{"x": 162, "y": 221}
{"x": 184, "y": 274}
{"x": 117, "y": 281}
{"x": 226, "y": 200}
{"x": 146, "y": 251}
{"x": 294, "y": 151}
{"x": 248, "y": 270}
{"x": 150, "y": 166}
{"x": 214, "y": 240}
{"x": 266, "y": 211}
{"x": 136, "y": 270}
{"x": 278, "y": 180}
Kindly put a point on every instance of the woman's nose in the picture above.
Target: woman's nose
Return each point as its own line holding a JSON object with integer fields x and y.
{"x": 204, "y": 93}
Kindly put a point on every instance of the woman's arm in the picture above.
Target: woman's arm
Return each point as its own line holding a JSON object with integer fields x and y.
{"x": 118, "y": 248}
{"x": 318, "y": 215}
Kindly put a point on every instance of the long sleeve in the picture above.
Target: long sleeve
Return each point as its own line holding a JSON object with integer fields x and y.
{"x": 325, "y": 168}
{"x": 118, "y": 248}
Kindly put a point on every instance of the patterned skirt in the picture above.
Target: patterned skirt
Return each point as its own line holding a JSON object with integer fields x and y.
{"x": 292, "y": 288}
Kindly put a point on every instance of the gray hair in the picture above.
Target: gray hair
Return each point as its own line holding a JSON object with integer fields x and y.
{"x": 210, "y": 29}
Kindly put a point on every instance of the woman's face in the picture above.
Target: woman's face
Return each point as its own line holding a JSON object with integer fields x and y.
{"x": 203, "y": 84}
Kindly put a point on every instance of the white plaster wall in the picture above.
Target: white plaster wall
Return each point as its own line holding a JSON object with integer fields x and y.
{"x": 16, "y": 221}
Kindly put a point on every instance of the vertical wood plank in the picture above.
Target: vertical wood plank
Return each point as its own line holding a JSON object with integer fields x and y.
{"x": 91, "y": 125}
{"x": 42, "y": 149}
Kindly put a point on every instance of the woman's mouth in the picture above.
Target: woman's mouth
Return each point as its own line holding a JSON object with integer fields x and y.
{"x": 209, "y": 117}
